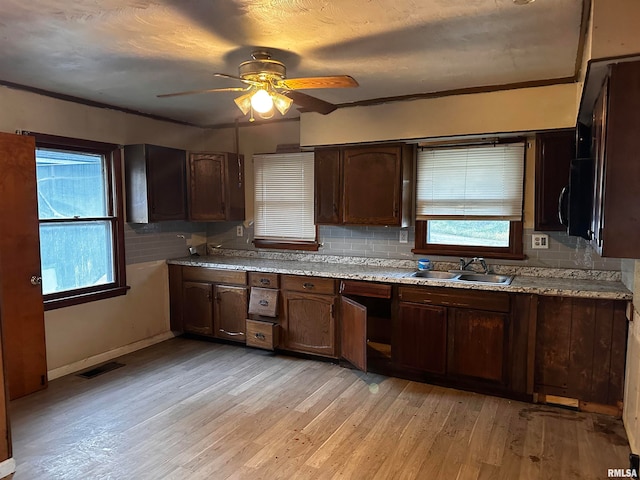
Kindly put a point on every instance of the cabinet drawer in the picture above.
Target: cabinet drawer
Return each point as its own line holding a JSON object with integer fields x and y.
{"x": 476, "y": 299}
{"x": 264, "y": 301}
{"x": 214, "y": 275}
{"x": 264, "y": 280}
{"x": 365, "y": 289}
{"x": 308, "y": 284}
{"x": 262, "y": 334}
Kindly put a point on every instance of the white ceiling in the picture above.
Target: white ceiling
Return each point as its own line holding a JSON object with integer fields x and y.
{"x": 125, "y": 52}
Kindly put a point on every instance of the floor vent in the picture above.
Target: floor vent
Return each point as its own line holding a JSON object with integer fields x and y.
{"x": 99, "y": 370}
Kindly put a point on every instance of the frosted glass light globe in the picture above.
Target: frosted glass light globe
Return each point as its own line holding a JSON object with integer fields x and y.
{"x": 262, "y": 101}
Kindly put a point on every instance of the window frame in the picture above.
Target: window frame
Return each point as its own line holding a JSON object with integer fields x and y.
{"x": 288, "y": 244}
{"x": 515, "y": 249}
{"x": 113, "y": 170}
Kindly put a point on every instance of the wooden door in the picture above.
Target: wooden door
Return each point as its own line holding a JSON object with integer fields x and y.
{"x": 20, "y": 278}
{"x": 328, "y": 180}
{"x": 206, "y": 187}
{"x": 353, "y": 333}
{"x": 197, "y": 314}
{"x": 167, "y": 183}
{"x": 554, "y": 151}
{"x": 476, "y": 344}
{"x": 420, "y": 338}
{"x": 309, "y": 323}
{"x": 230, "y": 317}
{"x": 372, "y": 185}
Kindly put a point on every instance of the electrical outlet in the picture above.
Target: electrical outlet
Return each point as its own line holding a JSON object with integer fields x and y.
{"x": 404, "y": 236}
{"x": 239, "y": 231}
{"x": 539, "y": 240}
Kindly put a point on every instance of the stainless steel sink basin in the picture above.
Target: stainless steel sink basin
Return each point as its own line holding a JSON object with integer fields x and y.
{"x": 434, "y": 275}
{"x": 486, "y": 278}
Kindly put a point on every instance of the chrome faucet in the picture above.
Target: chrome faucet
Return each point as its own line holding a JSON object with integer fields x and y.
{"x": 464, "y": 264}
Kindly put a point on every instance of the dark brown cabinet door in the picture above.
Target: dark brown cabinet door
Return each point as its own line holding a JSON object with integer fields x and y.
{"x": 581, "y": 348}
{"x": 328, "y": 181}
{"x": 21, "y": 307}
{"x": 197, "y": 314}
{"x": 353, "y": 333}
{"x": 420, "y": 338}
{"x": 309, "y": 323}
{"x": 155, "y": 183}
{"x": 216, "y": 187}
{"x": 372, "y": 185}
{"x": 477, "y": 344}
{"x": 230, "y": 312}
{"x": 554, "y": 151}
{"x": 616, "y": 119}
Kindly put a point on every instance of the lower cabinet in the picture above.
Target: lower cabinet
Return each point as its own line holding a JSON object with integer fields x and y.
{"x": 230, "y": 312}
{"x": 581, "y": 349}
{"x": 420, "y": 338}
{"x": 309, "y": 319}
{"x": 208, "y": 302}
{"x": 197, "y": 314}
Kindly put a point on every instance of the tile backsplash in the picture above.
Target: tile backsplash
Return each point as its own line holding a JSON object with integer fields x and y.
{"x": 383, "y": 242}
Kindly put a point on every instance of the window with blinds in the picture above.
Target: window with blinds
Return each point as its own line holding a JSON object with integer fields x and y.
{"x": 284, "y": 197}
{"x": 469, "y": 200}
{"x": 472, "y": 182}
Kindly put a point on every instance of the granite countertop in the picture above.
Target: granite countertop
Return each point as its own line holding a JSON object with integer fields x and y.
{"x": 541, "y": 285}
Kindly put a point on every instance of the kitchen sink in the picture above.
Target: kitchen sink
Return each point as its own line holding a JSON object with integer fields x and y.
{"x": 485, "y": 278}
{"x": 434, "y": 274}
{"x": 463, "y": 276}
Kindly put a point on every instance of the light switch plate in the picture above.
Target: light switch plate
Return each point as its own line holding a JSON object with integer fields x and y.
{"x": 239, "y": 231}
{"x": 539, "y": 240}
{"x": 404, "y": 236}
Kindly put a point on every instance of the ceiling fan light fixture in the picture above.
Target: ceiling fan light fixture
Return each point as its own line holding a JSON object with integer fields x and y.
{"x": 282, "y": 103}
{"x": 244, "y": 102}
{"x": 267, "y": 115}
{"x": 261, "y": 101}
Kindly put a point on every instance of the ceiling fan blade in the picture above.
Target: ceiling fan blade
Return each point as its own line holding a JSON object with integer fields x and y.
{"x": 337, "y": 81}
{"x": 309, "y": 103}
{"x": 233, "y": 77}
{"x": 192, "y": 92}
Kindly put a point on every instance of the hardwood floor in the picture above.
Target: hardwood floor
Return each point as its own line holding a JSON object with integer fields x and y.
{"x": 186, "y": 409}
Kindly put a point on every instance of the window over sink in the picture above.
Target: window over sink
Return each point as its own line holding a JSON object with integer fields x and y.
{"x": 81, "y": 220}
{"x": 469, "y": 200}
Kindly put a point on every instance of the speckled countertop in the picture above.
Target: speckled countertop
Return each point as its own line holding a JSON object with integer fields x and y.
{"x": 572, "y": 284}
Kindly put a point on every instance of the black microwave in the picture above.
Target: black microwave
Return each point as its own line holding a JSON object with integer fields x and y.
{"x": 575, "y": 203}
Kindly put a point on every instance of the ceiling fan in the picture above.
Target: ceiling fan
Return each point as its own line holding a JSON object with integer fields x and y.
{"x": 268, "y": 89}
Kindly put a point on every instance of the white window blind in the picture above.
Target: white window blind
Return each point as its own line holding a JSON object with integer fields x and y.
{"x": 284, "y": 197}
{"x": 474, "y": 182}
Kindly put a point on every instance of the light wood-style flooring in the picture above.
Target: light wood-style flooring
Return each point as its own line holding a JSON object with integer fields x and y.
{"x": 186, "y": 409}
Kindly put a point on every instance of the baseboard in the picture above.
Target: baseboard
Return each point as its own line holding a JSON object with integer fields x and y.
{"x": 7, "y": 467}
{"x": 106, "y": 356}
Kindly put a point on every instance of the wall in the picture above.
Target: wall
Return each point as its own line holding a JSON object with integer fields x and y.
{"x": 89, "y": 333}
{"x": 521, "y": 110}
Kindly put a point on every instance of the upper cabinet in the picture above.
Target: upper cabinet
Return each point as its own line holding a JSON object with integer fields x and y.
{"x": 365, "y": 185}
{"x": 155, "y": 183}
{"x": 554, "y": 151}
{"x": 215, "y": 187}
{"x": 616, "y": 122}
{"x": 165, "y": 184}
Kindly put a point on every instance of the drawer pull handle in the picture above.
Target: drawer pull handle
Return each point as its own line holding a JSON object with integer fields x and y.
{"x": 265, "y": 281}
{"x": 260, "y": 336}
{"x": 308, "y": 285}
{"x": 264, "y": 303}
{"x": 233, "y": 334}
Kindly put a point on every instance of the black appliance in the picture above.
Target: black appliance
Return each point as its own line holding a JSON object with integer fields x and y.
{"x": 575, "y": 202}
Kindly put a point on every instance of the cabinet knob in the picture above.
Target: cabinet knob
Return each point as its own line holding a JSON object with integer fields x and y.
{"x": 265, "y": 281}
{"x": 260, "y": 336}
{"x": 308, "y": 285}
{"x": 264, "y": 303}
{"x": 36, "y": 280}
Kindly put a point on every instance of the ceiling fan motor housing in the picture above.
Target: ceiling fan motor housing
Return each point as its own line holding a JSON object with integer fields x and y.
{"x": 262, "y": 68}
